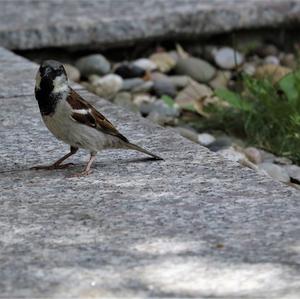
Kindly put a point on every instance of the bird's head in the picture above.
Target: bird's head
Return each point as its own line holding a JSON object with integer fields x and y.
{"x": 51, "y": 77}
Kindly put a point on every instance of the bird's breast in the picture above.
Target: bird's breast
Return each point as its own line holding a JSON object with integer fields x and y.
{"x": 65, "y": 128}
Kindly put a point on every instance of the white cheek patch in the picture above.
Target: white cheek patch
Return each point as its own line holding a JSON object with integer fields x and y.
{"x": 38, "y": 80}
{"x": 60, "y": 84}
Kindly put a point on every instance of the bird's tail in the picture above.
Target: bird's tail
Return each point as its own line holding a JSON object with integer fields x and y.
{"x": 140, "y": 149}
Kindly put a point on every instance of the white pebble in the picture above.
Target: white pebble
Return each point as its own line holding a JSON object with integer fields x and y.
{"x": 206, "y": 139}
{"x": 228, "y": 58}
{"x": 145, "y": 64}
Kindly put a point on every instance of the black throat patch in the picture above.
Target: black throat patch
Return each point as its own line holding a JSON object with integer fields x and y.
{"x": 47, "y": 100}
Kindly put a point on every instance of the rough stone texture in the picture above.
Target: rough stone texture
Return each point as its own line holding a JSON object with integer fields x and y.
{"x": 106, "y": 22}
{"x": 194, "y": 225}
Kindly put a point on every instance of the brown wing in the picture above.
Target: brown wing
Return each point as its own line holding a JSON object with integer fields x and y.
{"x": 92, "y": 117}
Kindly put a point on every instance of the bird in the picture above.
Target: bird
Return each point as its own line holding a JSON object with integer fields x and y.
{"x": 73, "y": 120}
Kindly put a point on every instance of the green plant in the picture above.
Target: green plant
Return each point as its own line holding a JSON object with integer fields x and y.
{"x": 267, "y": 114}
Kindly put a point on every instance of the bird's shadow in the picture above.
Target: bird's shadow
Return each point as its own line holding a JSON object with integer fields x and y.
{"x": 96, "y": 165}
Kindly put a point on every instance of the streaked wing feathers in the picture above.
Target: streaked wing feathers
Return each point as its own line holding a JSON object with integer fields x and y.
{"x": 86, "y": 114}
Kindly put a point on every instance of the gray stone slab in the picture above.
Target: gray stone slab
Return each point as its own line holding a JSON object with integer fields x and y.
{"x": 113, "y": 22}
{"x": 194, "y": 225}
{"x": 136, "y": 227}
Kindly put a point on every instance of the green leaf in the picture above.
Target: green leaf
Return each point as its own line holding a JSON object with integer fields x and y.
{"x": 290, "y": 86}
{"x": 168, "y": 100}
{"x": 234, "y": 99}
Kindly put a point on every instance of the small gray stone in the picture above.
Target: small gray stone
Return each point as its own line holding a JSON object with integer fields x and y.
{"x": 275, "y": 171}
{"x": 160, "y": 107}
{"x": 267, "y": 50}
{"x": 145, "y": 87}
{"x": 145, "y": 64}
{"x": 124, "y": 99}
{"x": 228, "y": 58}
{"x": 140, "y": 98}
{"x": 220, "y": 143}
{"x": 72, "y": 72}
{"x": 106, "y": 86}
{"x": 93, "y": 64}
{"x": 188, "y": 133}
{"x": 283, "y": 161}
{"x": 232, "y": 154}
{"x": 293, "y": 171}
{"x": 180, "y": 81}
{"x": 206, "y": 139}
{"x": 164, "y": 87}
{"x": 289, "y": 60}
{"x": 129, "y": 84}
{"x": 271, "y": 60}
{"x": 196, "y": 68}
{"x": 253, "y": 155}
{"x": 267, "y": 157}
{"x": 249, "y": 68}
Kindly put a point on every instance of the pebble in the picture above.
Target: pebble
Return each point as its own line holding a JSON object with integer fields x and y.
{"x": 160, "y": 107}
{"x": 72, "y": 72}
{"x": 206, "y": 139}
{"x": 249, "y": 68}
{"x": 93, "y": 64}
{"x": 293, "y": 171}
{"x": 164, "y": 61}
{"x": 129, "y": 84}
{"x": 232, "y": 154}
{"x": 180, "y": 81}
{"x": 196, "y": 68}
{"x": 145, "y": 87}
{"x": 145, "y": 64}
{"x": 228, "y": 58}
{"x": 161, "y": 119}
{"x": 253, "y": 155}
{"x": 220, "y": 143}
{"x": 139, "y": 99}
{"x": 124, "y": 99}
{"x": 283, "y": 161}
{"x": 289, "y": 61}
{"x": 267, "y": 157}
{"x": 221, "y": 80}
{"x": 164, "y": 87}
{"x": 272, "y": 60}
{"x": 188, "y": 133}
{"x": 267, "y": 50}
{"x": 106, "y": 86}
{"x": 275, "y": 171}
{"x": 129, "y": 71}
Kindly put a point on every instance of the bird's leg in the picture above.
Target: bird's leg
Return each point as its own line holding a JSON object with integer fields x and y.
{"x": 57, "y": 164}
{"x": 87, "y": 169}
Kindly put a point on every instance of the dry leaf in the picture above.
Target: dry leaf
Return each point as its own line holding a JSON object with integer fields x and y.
{"x": 198, "y": 95}
{"x": 272, "y": 71}
{"x": 181, "y": 52}
{"x": 164, "y": 61}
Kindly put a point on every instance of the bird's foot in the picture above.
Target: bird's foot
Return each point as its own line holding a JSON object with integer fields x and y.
{"x": 52, "y": 167}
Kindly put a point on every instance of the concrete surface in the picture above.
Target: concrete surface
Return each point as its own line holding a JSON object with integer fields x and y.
{"x": 194, "y": 225}
{"x": 58, "y": 23}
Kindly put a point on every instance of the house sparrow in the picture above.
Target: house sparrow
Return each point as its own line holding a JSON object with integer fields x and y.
{"x": 73, "y": 120}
